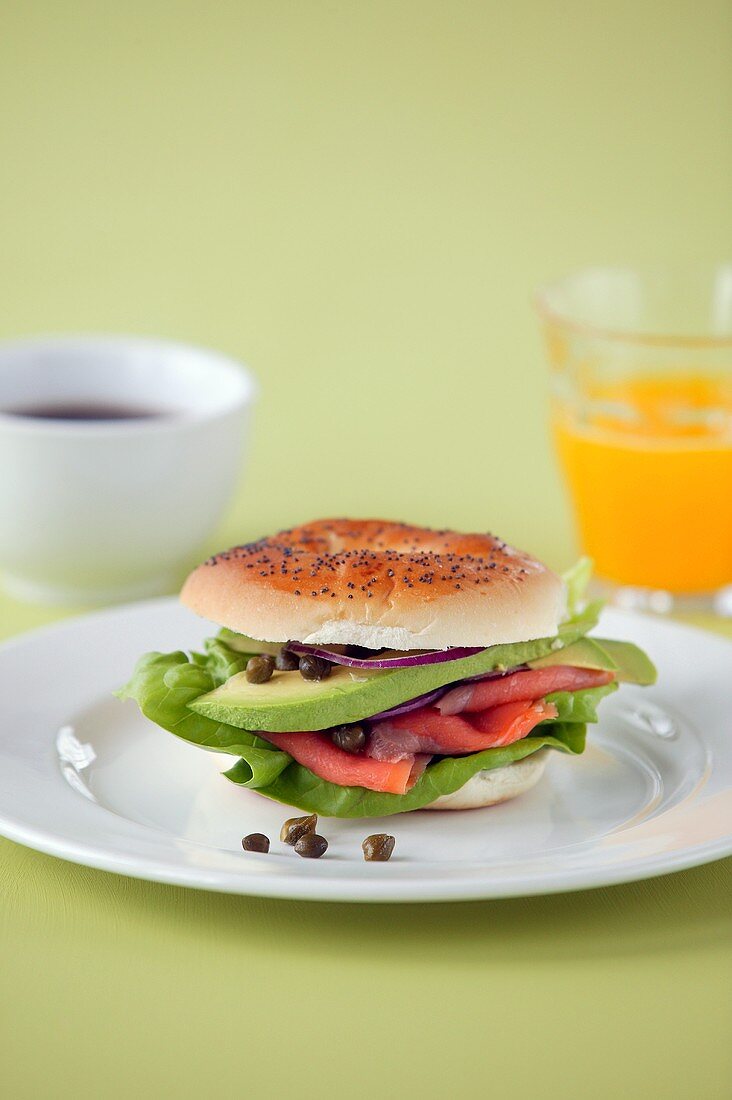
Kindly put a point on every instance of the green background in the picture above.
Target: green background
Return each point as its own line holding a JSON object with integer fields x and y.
{"x": 357, "y": 199}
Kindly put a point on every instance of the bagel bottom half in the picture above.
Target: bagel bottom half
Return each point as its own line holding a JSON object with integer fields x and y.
{"x": 498, "y": 785}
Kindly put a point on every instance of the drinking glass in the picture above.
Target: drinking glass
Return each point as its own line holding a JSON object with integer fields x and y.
{"x": 641, "y": 406}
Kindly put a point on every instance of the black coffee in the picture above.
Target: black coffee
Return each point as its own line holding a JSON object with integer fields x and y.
{"x": 79, "y": 410}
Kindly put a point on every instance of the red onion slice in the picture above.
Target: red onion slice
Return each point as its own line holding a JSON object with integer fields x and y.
{"x": 494, "y": 675}
{"x": 412, "y": 704}
{"x": 432, "y": 696}
{"x": 434, "y": 657}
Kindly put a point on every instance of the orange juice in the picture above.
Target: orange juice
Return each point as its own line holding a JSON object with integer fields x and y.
{"x": 649, "y": 465}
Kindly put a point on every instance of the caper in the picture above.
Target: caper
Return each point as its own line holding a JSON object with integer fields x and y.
{"x": 286, "y": 660}
{"x": 378, "y": 847}
{"x": 314, "y": 668}
{"x": 295, "y": 827}
{"x": 255, "y": 842}
{"x": 349, "y": 738}
{"x": 311, "y": 846}
{"x": 260, "y": 668}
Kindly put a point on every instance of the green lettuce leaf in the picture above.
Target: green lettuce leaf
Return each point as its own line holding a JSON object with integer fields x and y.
{"x": 576, "y": 579}
{"x": 298, "y": 786}
{"x": 579, "y": 706}
{"x": 222, "y": 661}
{"x": 164, "y": 684}
{"x": 244, "y": 644}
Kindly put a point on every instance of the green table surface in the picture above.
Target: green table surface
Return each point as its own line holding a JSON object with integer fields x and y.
{"x": 357, "y": 198}
{"x": 112, "y": 987}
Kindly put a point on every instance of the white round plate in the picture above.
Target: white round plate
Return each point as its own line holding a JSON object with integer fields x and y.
{"x": 87, "y": 778}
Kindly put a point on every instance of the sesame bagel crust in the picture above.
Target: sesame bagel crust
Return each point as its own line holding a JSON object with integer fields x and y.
{"x": 377, "y": 583}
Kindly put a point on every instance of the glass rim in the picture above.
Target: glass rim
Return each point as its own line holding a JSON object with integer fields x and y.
{"x": 549, "y": 313}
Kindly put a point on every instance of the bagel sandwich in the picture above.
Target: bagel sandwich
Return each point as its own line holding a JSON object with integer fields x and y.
{"x": 366, "y": 667}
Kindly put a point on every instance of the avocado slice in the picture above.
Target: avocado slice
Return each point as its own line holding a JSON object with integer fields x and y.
{"x": 288, "y": 703}
{"x": 243, "y": 644}
{"x": 627, "y": 661}
{"x": 584, "y": 653}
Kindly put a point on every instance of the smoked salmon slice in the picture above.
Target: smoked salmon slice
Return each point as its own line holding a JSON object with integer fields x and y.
{"x": 317, "y": 752}
{"x": 428, "y": 731}
{"x": 532, "y": 683}
{"x": 469, "y": 718}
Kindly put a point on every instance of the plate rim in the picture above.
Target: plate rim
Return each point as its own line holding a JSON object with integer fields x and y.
{"x": 296, "y": 887}
{"x": 299, "y": 885}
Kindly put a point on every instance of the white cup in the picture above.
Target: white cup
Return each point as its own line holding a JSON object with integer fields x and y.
{"x": 95, "y": 511}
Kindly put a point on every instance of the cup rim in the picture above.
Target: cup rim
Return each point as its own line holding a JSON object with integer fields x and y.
{"x": 549, "y": 313}
{"x": 244, "y": 393}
